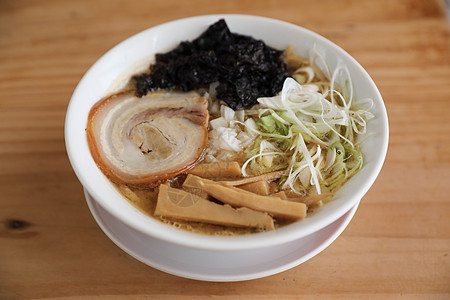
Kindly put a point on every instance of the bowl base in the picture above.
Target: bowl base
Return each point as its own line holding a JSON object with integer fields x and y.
{"x": 217, "y": 266}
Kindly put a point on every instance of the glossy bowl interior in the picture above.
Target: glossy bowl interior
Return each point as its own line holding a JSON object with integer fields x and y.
{"x": 136, "y": 52}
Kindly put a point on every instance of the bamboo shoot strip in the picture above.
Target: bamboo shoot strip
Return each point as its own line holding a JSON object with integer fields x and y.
{"x": 259, "y": 187}
{"x": 266, "y": 177}
{"x": 217, "y": 170}
{"x": 240, "y": 198}
{"x": 179, "y": 204}
{"x": 310, "y": 200}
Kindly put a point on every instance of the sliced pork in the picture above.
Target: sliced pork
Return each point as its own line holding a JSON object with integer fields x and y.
{"x": 145, "y": 141}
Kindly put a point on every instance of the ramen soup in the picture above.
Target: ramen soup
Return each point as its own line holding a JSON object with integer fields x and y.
{"x": 225, "y": 135}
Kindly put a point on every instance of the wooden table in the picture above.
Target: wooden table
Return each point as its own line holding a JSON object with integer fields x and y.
{"x": 398, "y": 243}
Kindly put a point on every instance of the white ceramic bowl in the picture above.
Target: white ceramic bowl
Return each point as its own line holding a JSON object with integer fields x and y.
{"x": 135, "y": 52}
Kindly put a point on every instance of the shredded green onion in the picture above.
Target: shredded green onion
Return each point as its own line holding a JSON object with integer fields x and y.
{"x": 309, "y": 129}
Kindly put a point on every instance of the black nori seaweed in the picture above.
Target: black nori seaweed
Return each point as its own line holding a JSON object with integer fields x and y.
{"x": 245, "y": 68}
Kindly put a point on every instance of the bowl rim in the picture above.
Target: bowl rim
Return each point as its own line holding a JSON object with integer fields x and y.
{"x": 200, "y": 241}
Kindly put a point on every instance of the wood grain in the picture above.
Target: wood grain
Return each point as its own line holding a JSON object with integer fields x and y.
{"x": 398, "y": 243}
